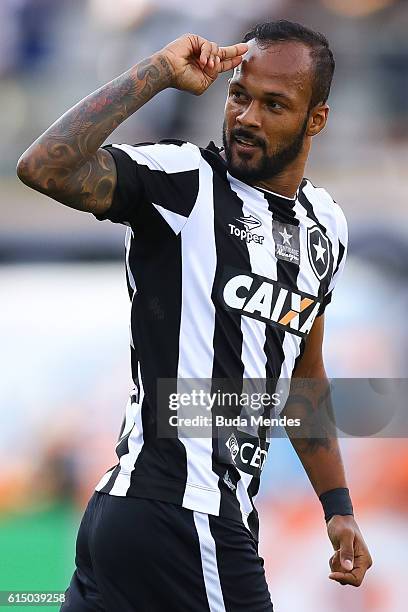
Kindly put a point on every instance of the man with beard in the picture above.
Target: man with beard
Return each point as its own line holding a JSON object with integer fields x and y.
{"x": 231, "y": 260}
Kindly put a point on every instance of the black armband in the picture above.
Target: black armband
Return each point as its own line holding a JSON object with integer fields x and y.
{"x": 336, "y": 501}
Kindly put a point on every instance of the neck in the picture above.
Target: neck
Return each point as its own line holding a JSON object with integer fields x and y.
{"x": 285, "y": 184}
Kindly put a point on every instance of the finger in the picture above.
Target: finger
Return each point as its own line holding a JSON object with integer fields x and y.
{"x": 230, "y": 64}
{"x": 233, "y": 51}
{"x": 346, "y": 578}
{"x": 208, "y": 52}
{"x": 213, "y": 71}
{"x": 205, "y": 53}
{"x": 347, "y": 550}
{"x": 213, "y": 54}
{"x": 334, "y": 562}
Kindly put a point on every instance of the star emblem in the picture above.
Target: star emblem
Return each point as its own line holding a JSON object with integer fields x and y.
{"x": 286, "y": 237}
{"x": 320, "y": 251}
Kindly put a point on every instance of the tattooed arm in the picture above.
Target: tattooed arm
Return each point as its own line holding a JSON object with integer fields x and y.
{"x": 67, "y": 163}
{"x": 316, "y": 444}
{"x": 315, "y": 441}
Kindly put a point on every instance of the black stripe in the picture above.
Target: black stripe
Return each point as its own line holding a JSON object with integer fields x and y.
{"x": 253, "y": 519}
{"x": 134, "y": 363}
{"x": 228, "y": 368}
{"x": 240, "y": 569}
{"x": 129, "y": 191}
{"x": 301, "y": 351}
{"x": 156, "y": 315}
{"x": 342, "y": 250}
{"x": 179, "y": 143}
{"x": 123, "y": 446}
{"x": 328, "y": 297}
{"x": 155, "y": 322}
{"x": 134, "y": 358}
{"x": 287, "y": 274}
{"x": 111, "y": 481}
{"x": 176, "y": 192}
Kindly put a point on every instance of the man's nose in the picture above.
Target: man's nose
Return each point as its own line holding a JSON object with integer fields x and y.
{"x": 250, "y": 117}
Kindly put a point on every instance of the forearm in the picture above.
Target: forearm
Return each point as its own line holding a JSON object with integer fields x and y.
{"x": 315, "y": 441}
{"x": 75, "y": 138}
{"x": 322, "y": 462}
{"x": 67, "y": 163}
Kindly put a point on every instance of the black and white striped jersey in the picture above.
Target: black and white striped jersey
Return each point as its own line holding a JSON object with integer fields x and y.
{"x": 225, "y": 282}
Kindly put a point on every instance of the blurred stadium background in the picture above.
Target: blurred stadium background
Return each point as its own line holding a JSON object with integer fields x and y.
{"x": 64, "y": 327}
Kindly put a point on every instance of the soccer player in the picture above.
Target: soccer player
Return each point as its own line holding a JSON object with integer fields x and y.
{"x": 231, "y": 259}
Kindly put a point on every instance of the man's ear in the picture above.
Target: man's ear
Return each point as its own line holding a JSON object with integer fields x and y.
{"x": 318, "y": 119}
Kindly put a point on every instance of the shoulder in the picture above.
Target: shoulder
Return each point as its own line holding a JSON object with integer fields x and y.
{"x": 169, "y": 156}
{"x": 327, "y": 209}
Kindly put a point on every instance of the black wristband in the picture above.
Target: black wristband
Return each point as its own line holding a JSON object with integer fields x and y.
{"x": 336, "y": 501}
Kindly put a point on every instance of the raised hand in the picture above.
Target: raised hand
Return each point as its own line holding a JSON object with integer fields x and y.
{"x": 197, "y": 62}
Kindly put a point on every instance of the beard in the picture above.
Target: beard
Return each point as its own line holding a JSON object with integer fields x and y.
{"x": 268, "y": 166}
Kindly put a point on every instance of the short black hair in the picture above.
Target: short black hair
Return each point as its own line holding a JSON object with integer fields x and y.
{"x": 281, "y": 31}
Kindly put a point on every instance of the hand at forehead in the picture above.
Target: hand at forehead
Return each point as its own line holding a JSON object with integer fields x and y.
{"x": 288, "y": 64}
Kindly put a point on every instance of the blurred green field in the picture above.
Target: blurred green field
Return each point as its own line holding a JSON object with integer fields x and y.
{"x": 37, "y": 550}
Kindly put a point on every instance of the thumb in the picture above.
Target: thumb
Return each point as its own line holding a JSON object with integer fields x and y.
{"x": 347, "y": 552}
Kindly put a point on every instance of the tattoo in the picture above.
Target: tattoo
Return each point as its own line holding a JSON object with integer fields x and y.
{"x": 312, "y": 405}
{"x": 66, "y": 162}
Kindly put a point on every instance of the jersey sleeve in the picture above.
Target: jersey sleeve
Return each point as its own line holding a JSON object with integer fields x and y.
{"x": 164, "y": 175}
{"x": 340, "y": 257}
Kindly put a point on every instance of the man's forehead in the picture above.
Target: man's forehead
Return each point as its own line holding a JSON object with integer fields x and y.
{"x": 286, "y": 60}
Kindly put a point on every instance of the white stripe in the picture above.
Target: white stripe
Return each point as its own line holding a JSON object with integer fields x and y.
{"x": 243, "y": 497}
{"x": 263, "y": 262}
{"x": 326, "y": 210}
{"x": 279, "y": 195}
{"x": 129, "y": 421}
{"x": 307, "y": 282}
{"x": 330, "y": 215}
{"x": 135, "y": 444}
{"x": 327, "y": 213}
{"x": 209, "y": 563}
{"x": 176, "y": 221}
{"x": 128, "y": 239}
{"x": 168, "y": 158}
{"x": 196, "y": 337}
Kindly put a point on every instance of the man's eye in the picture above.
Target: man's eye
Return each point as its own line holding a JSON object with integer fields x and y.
{"x": 237, "y": 95}
{"x": 274, "y": 106}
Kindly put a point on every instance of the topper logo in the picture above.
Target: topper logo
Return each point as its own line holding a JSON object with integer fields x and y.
{"x": 250, "y": 222}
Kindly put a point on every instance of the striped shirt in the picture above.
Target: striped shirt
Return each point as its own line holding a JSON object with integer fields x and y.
{"x": 225, "y": 281}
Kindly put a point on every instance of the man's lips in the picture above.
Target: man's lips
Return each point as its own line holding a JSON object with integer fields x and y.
{"x": 245, "y": 144}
